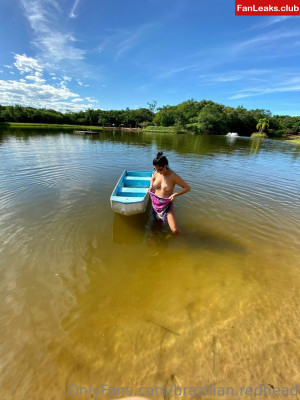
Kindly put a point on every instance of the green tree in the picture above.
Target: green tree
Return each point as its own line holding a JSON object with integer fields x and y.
{"x": 166, "y": 116}
{"x": 212, "y": 119}
{"x": 262, "y": 125}
{"x": 152, "y": 106}
{"x": 92, "y": 116}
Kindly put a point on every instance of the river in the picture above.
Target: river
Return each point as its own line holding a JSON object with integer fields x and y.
{"x": 89, "y": 298}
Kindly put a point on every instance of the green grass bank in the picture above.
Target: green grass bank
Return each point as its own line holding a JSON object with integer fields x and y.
{"x": 55, "y": 126}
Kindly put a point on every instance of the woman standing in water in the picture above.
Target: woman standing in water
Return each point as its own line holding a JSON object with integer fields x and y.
{"x": 161, "y": 189}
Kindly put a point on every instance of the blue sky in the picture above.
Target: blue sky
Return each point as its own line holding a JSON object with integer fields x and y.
{"x": 113, "y": 54}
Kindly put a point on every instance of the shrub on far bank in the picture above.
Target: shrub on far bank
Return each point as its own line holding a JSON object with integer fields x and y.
{"x": 277, "y": 133}
{"x": 295, "y": 141}
{"x": 259, "y": 135}
{"x": 179, "y": 129}
{"x": 193, "y": 128}
{"x": 152, "y": 128}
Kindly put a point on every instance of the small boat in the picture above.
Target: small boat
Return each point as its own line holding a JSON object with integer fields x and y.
{"x": 130, "y": 196}
{"x": 84, "y": 132}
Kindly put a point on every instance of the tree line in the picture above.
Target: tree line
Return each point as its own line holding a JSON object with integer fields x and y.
{"x": 128, "y": 118}
{"x": 201, "y": 117}
{"x": 207, "y": 117}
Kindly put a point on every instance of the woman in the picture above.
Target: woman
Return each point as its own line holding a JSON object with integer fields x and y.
{"x": 161, "y": 189}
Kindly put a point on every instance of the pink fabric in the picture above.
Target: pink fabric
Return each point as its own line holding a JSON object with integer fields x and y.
{"x": 161, "y": 205}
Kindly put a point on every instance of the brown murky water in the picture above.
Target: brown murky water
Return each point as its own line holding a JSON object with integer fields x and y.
{"x": 89, "y": 298}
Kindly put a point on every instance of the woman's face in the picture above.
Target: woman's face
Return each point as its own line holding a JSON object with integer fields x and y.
{"x": 161, "y": 170}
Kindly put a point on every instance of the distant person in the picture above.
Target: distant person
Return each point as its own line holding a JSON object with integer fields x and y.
{"x": 161, "y": 189}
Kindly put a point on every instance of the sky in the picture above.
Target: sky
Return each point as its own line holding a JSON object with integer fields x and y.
{"x": 71, "y": 55}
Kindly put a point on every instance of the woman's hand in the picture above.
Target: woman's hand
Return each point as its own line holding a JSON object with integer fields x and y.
{"x": 172, "y": 197}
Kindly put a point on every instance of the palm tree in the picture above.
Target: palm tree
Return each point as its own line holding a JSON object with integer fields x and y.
{"x": 262, "y": 124}
{"x": 91, "y": 115}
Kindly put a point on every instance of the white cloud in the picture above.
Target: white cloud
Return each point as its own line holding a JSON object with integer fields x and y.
{"x": 266, "y": 45}
{"x": 27, "y": 64}
{"x": 271, "y": 21}
{"x": 284, "y": 87}
{"x": 34, "y": 90}
{"x": 76, "y": 100}
{"x": 36, "y": 78}
{"x": 54, "y": 43}
{"x": 90, "y": 99}
{"x": 41, "y": 95}
{"x": 174, "y": 71}
{"x": 30, "y": 65}
{"x": 121, "y": 41}
{"x": 62, "y": 84}
{"x": 82, "y": 84}
{"x": 134, "y": 39}
{"x": 72, "y": 13}
{"x": 233, "y": 76}
{"x": 269, "y": 39}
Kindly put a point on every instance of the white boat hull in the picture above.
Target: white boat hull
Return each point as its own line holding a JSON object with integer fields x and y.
{"x": 130, "y": 209}
{"x": 130, "y": 195}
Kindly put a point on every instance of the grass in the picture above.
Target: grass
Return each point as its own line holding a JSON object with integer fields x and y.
{"x": 59, "y": 126}
{"x": 258, "y": 135}
{"x": 295, "y": 141}
{"x": 169, "y": 129}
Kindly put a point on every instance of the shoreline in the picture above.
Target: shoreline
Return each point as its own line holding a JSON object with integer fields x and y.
{"x": 151, "y": 129}
{"x": 64, "y": 126}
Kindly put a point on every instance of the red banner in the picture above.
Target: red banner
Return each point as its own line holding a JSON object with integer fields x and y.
{"x": 267, "y": 7}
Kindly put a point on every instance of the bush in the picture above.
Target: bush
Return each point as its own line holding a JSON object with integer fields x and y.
{"x": 277, "y": 132}
{"x": 258, "y": 135}
{"x": 193, "y": 128}
{"x": 179, "y": 129}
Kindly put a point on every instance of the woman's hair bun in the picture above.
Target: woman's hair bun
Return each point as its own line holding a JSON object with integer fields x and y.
{"x": 160, "y": 160}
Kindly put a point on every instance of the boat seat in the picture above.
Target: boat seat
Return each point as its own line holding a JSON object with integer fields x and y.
{"x": 138, "y": 178}
{"x": 140, "y": 174}
{"x": 136, "y": 181}
{"x": 130, "y": 194}
{"x": 127, "y": 200}
{"x": 133, "y": 190}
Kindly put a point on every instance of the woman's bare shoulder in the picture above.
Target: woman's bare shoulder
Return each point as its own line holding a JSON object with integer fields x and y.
{"x": 174, "y": 175}
{"x": 178, "y": 180}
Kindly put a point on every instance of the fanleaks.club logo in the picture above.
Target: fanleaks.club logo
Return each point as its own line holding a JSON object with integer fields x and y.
{"x": 267, "y": 7}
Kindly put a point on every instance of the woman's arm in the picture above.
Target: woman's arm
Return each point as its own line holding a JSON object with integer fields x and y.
{"x": 151, "y": 188}
{"x": 180, "y": 182}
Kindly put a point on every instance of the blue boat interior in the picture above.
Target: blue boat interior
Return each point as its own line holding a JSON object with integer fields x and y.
{"x": 133, "y": 186}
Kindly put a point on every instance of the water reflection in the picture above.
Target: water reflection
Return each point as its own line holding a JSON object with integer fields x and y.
{"x": 89, "y": 296}
{"x": 231, "y": 139}
{"x": 159, "y": 239}
{"x": 129, "y": 229}
{"x": 255, "y": 145}
{"x": 202, "y": 145}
